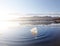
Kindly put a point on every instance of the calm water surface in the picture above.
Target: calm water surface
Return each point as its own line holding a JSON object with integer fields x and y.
{"x": 48, "y": 35}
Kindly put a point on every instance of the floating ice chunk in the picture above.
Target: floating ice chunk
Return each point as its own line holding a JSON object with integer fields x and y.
{"x": 34, "y": 31}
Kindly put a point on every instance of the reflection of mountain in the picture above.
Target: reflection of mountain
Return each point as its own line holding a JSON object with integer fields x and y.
{"x": 57, "y": 20}
{"x": 39, "y": 20}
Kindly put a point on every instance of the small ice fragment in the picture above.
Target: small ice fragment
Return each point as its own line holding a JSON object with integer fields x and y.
{"x": 34, "y": 31}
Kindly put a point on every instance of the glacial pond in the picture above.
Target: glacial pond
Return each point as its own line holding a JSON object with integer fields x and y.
{"x": 47, "y": 35}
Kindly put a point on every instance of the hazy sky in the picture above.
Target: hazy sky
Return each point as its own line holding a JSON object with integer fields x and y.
{"x": 29, "y": 6}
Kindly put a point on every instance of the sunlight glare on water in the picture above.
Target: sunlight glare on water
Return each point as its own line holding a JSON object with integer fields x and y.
{"x": 6, "y": 22}
{"x": 4, "y": 26}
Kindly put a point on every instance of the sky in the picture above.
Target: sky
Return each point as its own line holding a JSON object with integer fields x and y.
{"x": 29, "y": 6}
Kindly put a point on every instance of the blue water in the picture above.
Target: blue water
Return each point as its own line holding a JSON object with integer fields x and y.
{"x": 48, "y": 35}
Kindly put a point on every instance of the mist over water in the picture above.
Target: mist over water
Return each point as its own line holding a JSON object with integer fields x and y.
{"x": 22, "y": 36}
